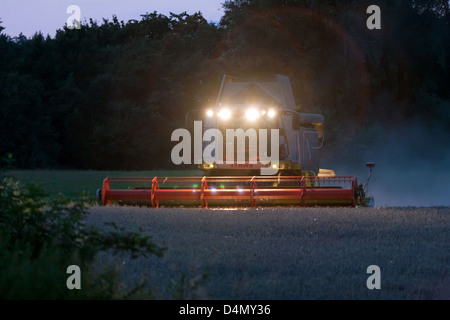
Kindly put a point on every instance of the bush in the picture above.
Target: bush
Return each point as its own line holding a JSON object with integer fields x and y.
{"x": 41, "y": 236}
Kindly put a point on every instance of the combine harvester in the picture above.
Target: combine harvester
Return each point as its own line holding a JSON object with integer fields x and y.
{"x": 292, "y": 177}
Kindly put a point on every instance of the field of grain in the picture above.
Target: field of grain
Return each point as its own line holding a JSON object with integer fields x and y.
{"x": 276, "y": 253}
{"x": 289, "y": 253}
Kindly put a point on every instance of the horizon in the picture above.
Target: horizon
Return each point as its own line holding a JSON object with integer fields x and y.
{"x": 24, "y": 16}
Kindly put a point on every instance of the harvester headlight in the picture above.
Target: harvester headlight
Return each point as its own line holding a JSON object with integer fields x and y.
{"x": 224, "y": 114}
{"x": 252, "y": 114}
{"x": 209, "y": 112}
{"x": 271, "y": 113}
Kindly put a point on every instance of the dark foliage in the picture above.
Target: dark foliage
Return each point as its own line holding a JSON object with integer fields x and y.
{"x": 41, "y": 236}
{"x": 109, "y": 95}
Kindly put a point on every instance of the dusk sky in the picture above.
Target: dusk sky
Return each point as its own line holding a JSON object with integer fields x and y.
{"x": 30, "y": 16}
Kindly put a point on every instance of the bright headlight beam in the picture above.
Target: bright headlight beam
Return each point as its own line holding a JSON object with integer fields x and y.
{"x": 209, "y": 113}
{"x": 271, "y": 113}
{"x": 224, "y": 114}
{"x": 252, "y": 114}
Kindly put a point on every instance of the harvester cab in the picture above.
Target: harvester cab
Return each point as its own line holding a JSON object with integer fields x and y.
{"x": 260, "y": 106}
{"x": 255, "y": 149}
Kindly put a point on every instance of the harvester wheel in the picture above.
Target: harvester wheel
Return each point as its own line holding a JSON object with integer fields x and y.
{"x": 98, "y": 195}
{"x": 362, "y": 199}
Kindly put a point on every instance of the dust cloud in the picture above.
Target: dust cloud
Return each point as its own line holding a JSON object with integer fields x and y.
{"x": 412, "y": 168}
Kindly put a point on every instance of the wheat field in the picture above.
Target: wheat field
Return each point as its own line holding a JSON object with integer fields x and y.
{"x": 288, "y": 253}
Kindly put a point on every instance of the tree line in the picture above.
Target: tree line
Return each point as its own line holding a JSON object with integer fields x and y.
{"x": 109, "y": 95}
